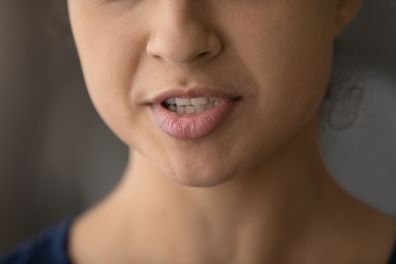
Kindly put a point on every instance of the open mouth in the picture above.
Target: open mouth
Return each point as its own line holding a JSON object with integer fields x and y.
{"x": 190, "y": 118}
{"x": 195, "y": 105}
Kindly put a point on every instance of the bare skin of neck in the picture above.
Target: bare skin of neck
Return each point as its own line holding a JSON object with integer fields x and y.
{"x": 287, "y": 210}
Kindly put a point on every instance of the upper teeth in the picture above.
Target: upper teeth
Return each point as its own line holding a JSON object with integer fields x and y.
{"x": 191, "y": 105}
{"x": 196, "y": 101}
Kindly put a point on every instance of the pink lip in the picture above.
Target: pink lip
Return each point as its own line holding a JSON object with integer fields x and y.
{"x": 192, "y": 126}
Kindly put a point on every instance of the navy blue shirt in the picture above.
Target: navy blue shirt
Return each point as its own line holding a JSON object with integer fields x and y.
{"x": 50, "y": 247}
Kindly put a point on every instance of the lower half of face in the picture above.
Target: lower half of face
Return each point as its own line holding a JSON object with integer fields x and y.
{"x": 275, "y": 55}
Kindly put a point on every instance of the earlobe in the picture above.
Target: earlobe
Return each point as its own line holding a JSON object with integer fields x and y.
{"x": 346, "y": 11}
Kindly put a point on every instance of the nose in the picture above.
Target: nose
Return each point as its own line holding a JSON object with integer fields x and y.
{"x": 179, "y": 36}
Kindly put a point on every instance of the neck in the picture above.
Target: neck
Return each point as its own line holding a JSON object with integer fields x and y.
{"x": 260, "y": 209}
{"x": 286, "y": 210}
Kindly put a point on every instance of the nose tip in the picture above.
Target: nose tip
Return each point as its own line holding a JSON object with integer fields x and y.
{"x": 183, "y": 44}
{"x": 180, "y": 52}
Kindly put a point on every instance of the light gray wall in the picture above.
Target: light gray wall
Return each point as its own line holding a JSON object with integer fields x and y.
{"x": 57, "y": 157}
{"x": 363, "y": 157}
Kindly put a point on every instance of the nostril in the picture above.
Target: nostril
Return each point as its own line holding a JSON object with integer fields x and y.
{"x": 203, "y": 54}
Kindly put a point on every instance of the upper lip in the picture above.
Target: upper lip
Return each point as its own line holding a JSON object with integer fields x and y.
{"x": 197, "y": 91}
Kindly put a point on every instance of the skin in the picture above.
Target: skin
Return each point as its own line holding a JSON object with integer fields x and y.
{"x": 254, "y": 191}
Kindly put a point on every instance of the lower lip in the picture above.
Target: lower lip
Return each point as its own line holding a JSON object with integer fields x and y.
{"x": 192, "y": 126}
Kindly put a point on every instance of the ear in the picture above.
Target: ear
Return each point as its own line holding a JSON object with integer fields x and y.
{"x": 346, "y": 11}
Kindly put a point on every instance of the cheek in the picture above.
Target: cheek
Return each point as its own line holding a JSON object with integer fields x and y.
{"x": 110, "y": 57}
{"x": 289, "y": 61}
{"x": 289, "y": 56}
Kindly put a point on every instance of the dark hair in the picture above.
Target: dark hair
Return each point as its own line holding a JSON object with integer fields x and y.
{"x": 58, "y": 20}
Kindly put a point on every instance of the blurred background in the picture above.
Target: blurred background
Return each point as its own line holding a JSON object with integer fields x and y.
{"x": 57, "y": 157}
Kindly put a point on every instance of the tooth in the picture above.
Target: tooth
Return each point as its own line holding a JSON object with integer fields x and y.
{"x": 190, "y": 109}
{"x": 199, "y": 101}
{"x": 171, "y": 101}
{"x": 216, "y": 103}
{"x": 212, "y": 99}
{"x": 183, "y": 101}
{"x": 208, "y": 107}
{"x": 199, "y": 108}
{"x": 180, "y": 109}
{"x": 173, "y": 108}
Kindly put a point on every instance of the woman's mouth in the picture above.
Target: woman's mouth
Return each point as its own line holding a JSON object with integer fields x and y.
{"x": 192, "y": 117}
{"x": 194, "y": 105}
